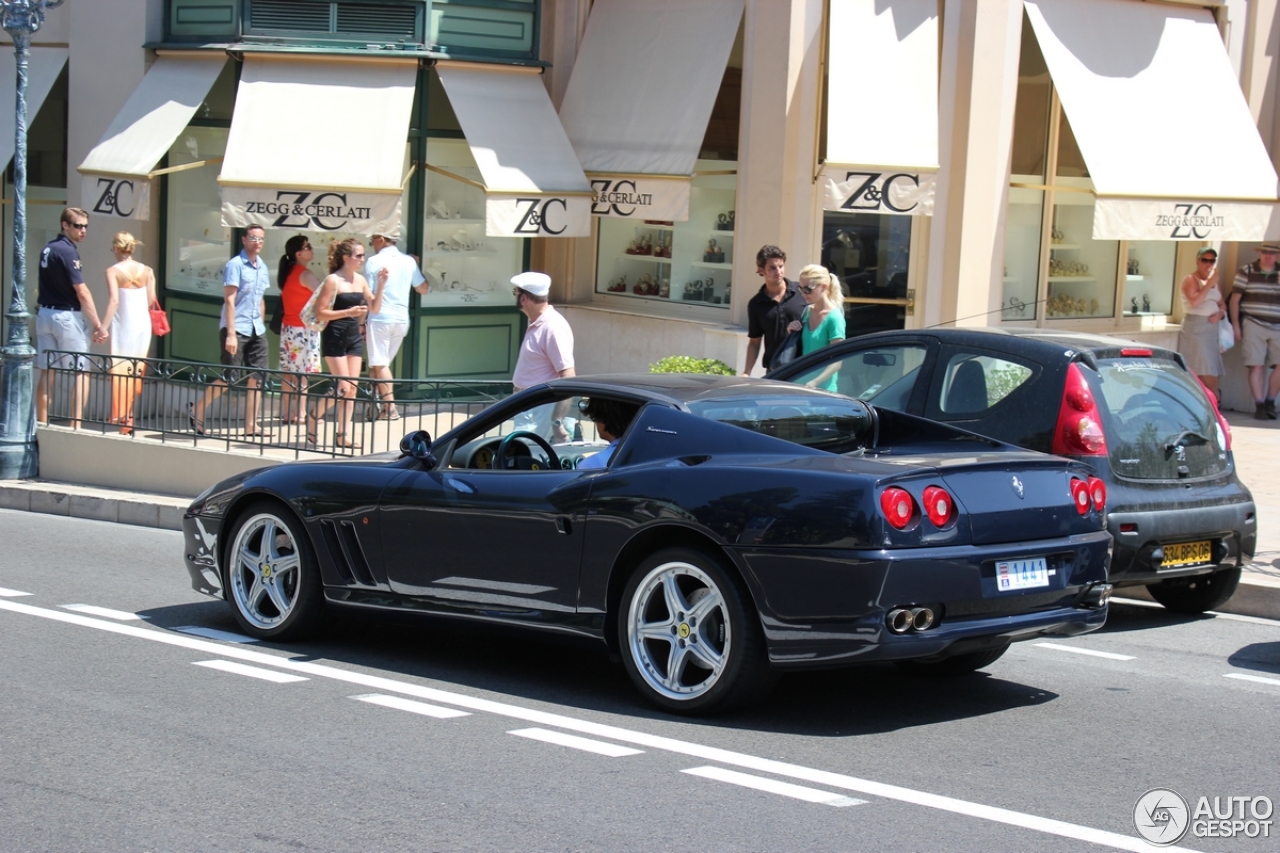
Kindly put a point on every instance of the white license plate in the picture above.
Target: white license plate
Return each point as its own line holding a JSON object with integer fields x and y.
{"x": 1021, "y": 574}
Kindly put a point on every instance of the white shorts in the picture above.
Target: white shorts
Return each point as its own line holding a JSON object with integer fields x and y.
{"x": 382, "y": 340}
{"x": 61, "y": 330}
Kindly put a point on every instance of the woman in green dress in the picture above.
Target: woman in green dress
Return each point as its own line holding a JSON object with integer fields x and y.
{"x": 822, "y": 323}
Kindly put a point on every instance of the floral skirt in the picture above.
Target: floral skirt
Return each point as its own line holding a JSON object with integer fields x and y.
{"x": 299, "y": 350}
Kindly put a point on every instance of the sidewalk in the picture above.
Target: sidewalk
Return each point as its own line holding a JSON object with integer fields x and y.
{"x": 1256, "y": 445}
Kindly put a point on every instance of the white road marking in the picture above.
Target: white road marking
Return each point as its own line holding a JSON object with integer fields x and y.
{"x": 11, "y": 593}
{"x": 251, "y": 671}
{"x": 411, "y": 706}
{"x": 215, "y": 634}
{"x": 1060, "y": 648}
{"x": 1217, "y": 614}
{"x": 773, "y": 786}
{"x": 105, "y": 612}
{"x": 826, "y": 778}
{"x": 612, "y": 750}
{"x": 1258, "y": 678}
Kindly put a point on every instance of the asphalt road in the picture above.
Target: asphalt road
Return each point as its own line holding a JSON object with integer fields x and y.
{"x": 128, "y": 723}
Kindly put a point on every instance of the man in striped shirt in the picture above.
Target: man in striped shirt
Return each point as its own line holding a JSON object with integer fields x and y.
{"x": 1255, "y": 314}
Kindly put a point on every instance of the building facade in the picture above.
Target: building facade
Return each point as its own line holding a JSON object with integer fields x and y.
{"x": 1045, "y": 163}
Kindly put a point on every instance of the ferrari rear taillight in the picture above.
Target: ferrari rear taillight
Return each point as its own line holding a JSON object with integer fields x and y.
{"x": 938, "y": 506}
{"x": 1098, "y": 493}
{"x": 898, "y": 506}
{"x": 1079, "y": 428}
{"x": 1080, "y": 495}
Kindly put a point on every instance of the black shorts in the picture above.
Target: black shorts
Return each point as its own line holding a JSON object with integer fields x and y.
{"x": 342, "y": 338}
{"x": 251, "y": 351}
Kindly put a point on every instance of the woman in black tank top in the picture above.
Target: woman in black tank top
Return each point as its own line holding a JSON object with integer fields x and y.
{"x": 346, "y": 293}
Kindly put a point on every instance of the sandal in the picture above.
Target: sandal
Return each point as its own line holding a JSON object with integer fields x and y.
{"x": 340, "y": 440}
{"x": 313, "y": 427}
{"x": 196, "y": 426}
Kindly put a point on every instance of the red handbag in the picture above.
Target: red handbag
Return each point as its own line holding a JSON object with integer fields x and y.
{"x": 159, "y": 321}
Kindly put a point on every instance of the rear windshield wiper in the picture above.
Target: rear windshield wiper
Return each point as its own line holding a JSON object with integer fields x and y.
{"x": 1183, "y": 436}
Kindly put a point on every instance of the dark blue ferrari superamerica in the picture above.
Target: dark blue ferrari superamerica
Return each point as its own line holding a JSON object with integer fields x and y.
{"x": 740, "y": 527}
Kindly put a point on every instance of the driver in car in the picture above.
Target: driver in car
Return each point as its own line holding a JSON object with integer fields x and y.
{"x": 611, "y": 418}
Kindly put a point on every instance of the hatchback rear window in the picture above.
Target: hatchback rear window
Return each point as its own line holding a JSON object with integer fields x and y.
{"x": 1159, "y": 424}
{"x": 827, "y": 423}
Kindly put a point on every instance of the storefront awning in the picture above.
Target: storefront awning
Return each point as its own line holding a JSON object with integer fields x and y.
{"x": 882, "y": 107}
{"x": 1164, "y": 128}
{"x": 44, "y": 64}
{"x": 636, "y": 109}
{"x": 533, "y": 184}
{"x": 116, "y": 176}
{"x": 318, "y": 143}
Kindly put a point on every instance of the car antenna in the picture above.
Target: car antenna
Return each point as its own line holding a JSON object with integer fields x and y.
{"x": 1000, "y": 310}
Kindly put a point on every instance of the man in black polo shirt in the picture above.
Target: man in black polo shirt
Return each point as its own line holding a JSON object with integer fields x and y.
{"x": 66, "y": 316}
{"x": 772, "y": 309}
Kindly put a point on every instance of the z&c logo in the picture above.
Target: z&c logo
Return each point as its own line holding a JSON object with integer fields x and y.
{"x": 533, "y": 215}
{"x": 1191, "y": 222}
{"x": 114, "y": 196}
{"x": 874, "y": 193}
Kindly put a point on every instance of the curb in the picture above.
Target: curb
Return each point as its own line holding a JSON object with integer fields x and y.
{"x": 143, "y": 510}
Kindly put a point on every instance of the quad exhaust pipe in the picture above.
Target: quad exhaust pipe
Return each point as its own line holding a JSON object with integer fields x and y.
{"x": 904, "y": 619}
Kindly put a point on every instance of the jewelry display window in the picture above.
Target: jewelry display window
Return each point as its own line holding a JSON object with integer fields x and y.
{"x": 471, "y": 267}
{"x": 688, "y": 263}
{"x": 198, "y": 244}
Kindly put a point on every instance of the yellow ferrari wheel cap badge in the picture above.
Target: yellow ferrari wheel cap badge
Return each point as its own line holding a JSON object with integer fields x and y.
{"x": 684, "y": 630}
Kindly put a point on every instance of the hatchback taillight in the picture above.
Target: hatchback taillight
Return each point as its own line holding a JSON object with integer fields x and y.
{"x": 1080, "y": 495}
{"x": 939, "y": 506}
{"x": 1222, "y": 422}
{"x": 1098, "y": 493}
{"x": 898, "y": 506}
{"x": 1079, "y": 428}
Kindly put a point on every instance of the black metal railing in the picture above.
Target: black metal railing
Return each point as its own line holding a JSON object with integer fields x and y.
{"x": 211, "y": 405}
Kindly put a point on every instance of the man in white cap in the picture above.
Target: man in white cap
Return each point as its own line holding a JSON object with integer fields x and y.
{"x": 385, "y": 331}
{"x": 546, "y": 352}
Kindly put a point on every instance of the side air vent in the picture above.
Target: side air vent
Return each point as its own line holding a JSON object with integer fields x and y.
{"x": 344, "y": 549}
{"x": 338, "y": 19}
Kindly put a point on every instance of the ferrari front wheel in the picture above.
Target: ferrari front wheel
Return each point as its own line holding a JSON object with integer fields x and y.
{"x": 691, "y": 640}
{"x": 272, "y": 580}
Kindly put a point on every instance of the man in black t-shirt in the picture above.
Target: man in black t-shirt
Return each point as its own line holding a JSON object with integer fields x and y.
{"x": 66, "y": 316}
{"x": 772, "y": 309}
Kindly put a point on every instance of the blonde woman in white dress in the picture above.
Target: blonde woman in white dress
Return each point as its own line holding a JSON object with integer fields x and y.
{"x": 131, "y": 291}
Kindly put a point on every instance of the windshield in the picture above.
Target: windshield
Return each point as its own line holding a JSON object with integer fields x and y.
{"x": 833, "y": 424}
{"x": 1159, "y": 422}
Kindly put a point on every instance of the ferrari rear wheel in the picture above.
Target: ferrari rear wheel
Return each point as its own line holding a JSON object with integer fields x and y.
{"x": 1196, "y": 594}
{"x": 272, "y": 580}
{"x": 690, "y": 638}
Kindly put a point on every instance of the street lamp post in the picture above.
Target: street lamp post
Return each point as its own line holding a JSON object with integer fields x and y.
{"x": 18, "y": 456}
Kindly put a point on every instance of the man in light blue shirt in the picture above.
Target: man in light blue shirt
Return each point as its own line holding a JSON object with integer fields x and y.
{"x": 241, "y": 330}
{"x": 386, "y": 330}
{"x": 611, "y": 417}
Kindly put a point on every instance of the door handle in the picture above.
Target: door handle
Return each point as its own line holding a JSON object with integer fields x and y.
{"x": 564, "y": 525}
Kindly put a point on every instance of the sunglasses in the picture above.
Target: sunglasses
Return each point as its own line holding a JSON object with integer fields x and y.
{"x": 809, "y": 288}
{"x": 1208, "y": 260}
{"x": 79, "y": 226}
{"x": 359, "y": 257}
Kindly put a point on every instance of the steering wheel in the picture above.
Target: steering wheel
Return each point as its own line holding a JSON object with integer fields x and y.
{"x": 500, "y": 458}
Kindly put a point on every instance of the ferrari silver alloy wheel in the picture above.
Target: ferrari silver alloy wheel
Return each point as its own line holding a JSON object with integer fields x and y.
{"x": 678, "y": 631}
{"x": 266, "y": 571}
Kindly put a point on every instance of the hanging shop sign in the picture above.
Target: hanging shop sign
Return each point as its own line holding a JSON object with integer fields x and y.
{"x": 1172, "y": 219}
{"x": 311, "y": 209}
{"x": 537, "y": 215}
{"x": 898, "y": 192}
{"x": 116, "y": 196}
{"x": 639, "y": 197}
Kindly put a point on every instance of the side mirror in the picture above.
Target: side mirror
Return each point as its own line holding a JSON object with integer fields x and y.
{"x": 418, "y": 445}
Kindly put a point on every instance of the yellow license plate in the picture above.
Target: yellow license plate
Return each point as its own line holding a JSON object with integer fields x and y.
{"x": 1187, "y": 554}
